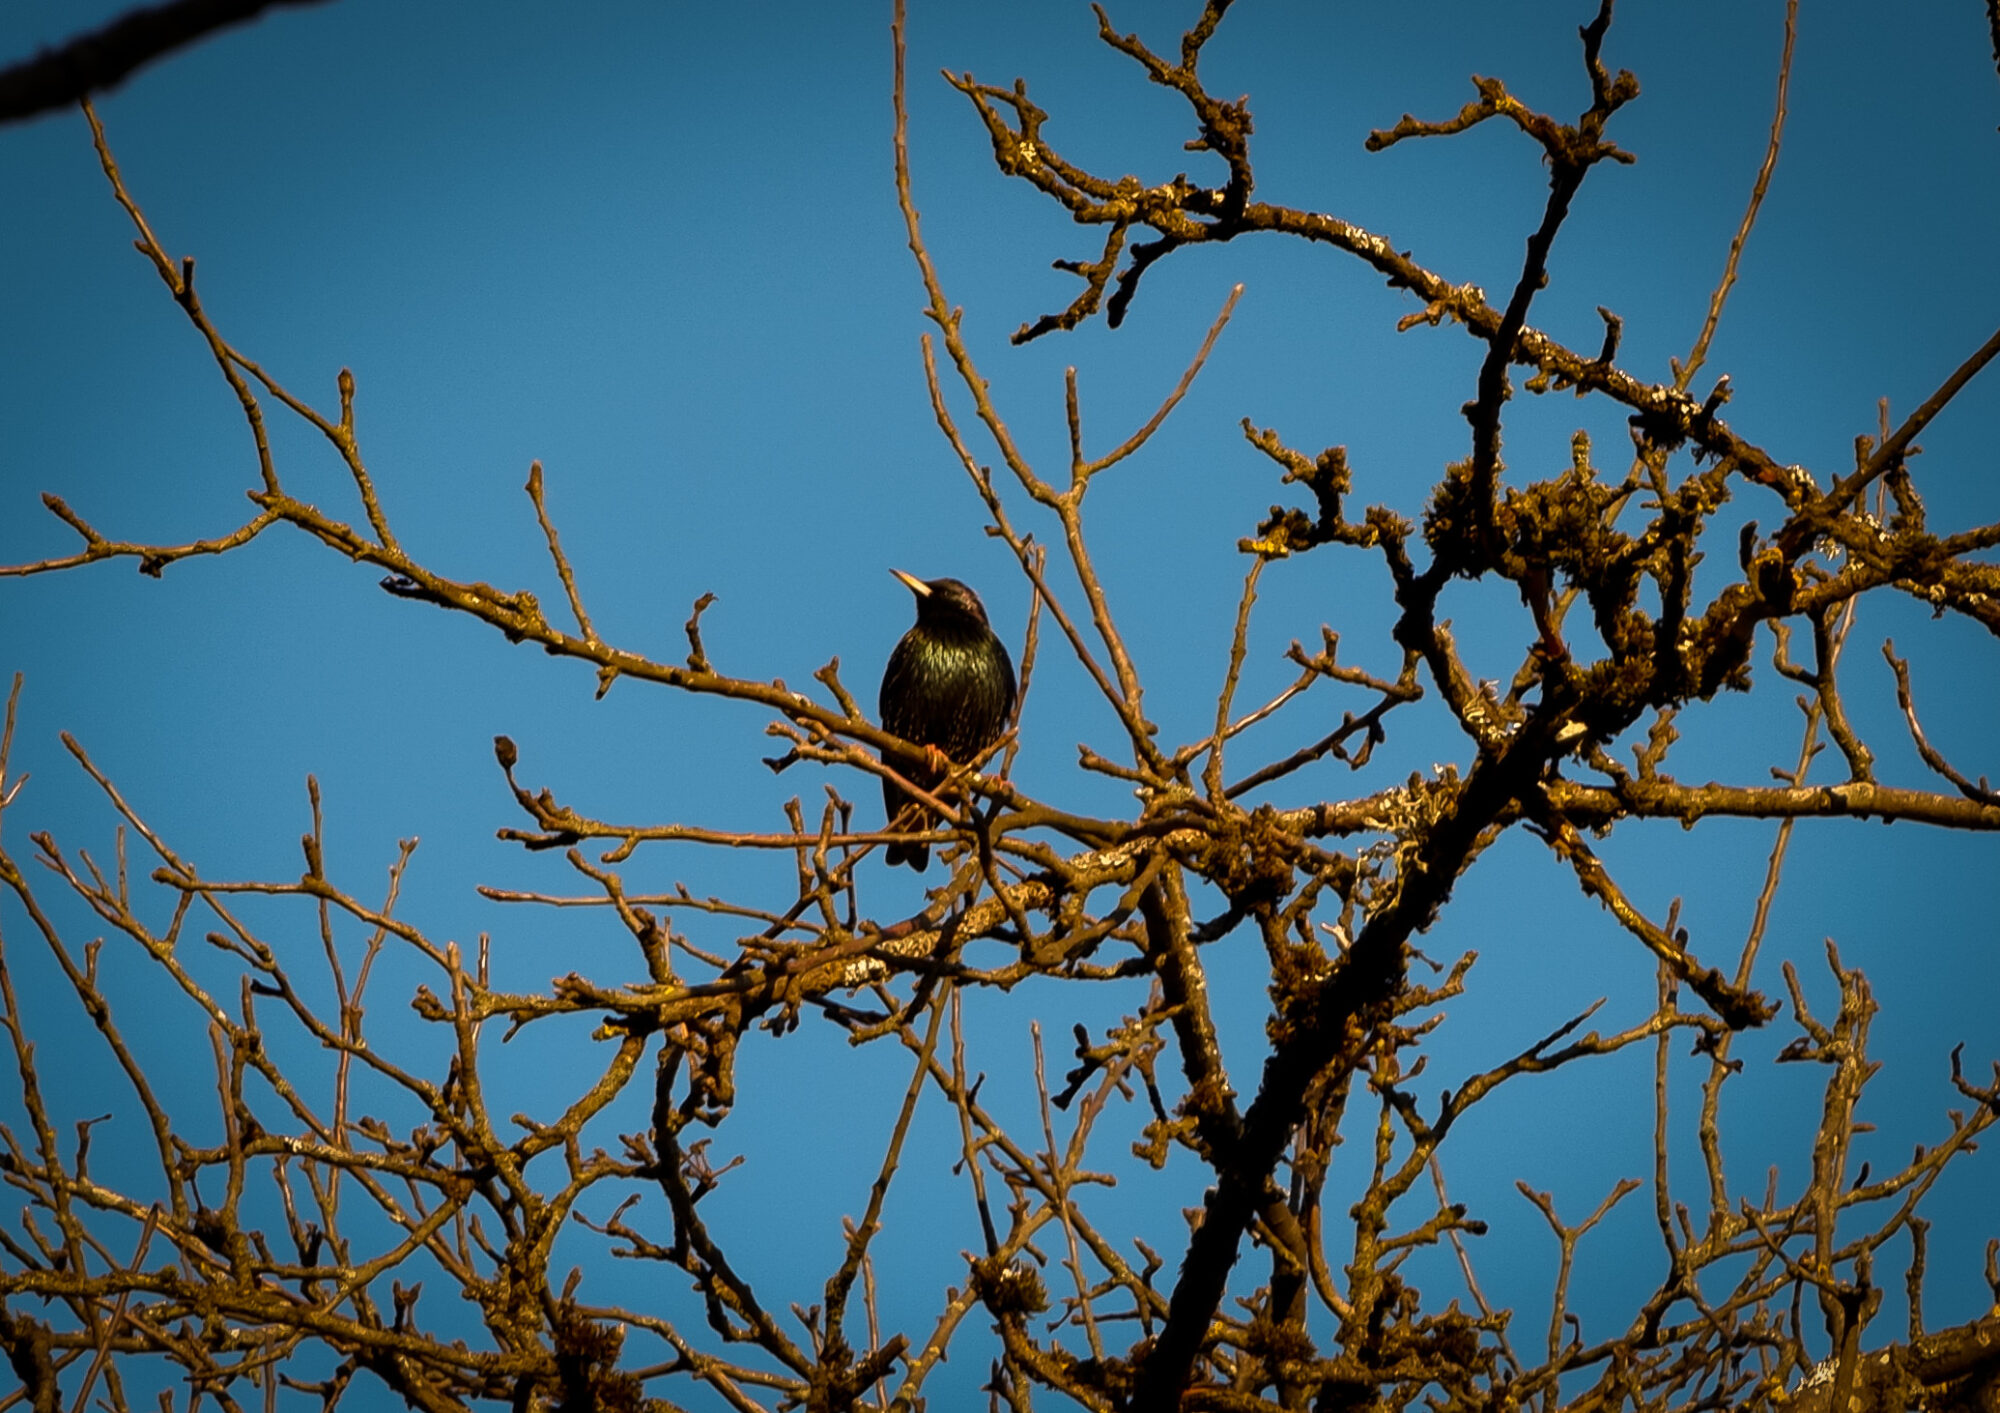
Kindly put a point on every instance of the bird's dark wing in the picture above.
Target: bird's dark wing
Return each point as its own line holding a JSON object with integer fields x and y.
{"x": 984, "y": 702}
{"x": 901, "y": 703}
{"x": 898, "y": 706}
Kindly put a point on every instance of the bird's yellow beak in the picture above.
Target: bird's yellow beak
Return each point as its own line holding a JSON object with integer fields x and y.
{"x": 913, "y": 583}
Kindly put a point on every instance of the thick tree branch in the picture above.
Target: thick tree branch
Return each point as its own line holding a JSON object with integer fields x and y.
{"x": 101, "y": 60}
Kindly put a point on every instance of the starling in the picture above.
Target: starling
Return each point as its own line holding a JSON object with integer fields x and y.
{"x": 949, "y": 686}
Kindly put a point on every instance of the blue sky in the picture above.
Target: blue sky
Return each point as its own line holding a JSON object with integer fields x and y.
{"x": 656, "y": 247}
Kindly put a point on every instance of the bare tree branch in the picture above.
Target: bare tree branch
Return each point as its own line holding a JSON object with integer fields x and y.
{"x": 101, "y": 60}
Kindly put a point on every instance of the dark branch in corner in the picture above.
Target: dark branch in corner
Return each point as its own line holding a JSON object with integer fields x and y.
{"x": 1993, "y": 28}
{"x": 101, "y": 60}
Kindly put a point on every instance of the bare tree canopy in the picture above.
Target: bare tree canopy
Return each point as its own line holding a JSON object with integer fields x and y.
{"x": 1228, "y": 1054}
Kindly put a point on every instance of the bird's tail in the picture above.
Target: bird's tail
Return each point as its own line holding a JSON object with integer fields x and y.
{"x": 905, "y": 813}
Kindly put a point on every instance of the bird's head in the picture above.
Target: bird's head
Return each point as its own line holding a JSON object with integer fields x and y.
{"x": 943, "y": 601}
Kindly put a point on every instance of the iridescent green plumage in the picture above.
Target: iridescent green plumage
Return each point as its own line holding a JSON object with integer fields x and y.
{"x": 949, "y": 685}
